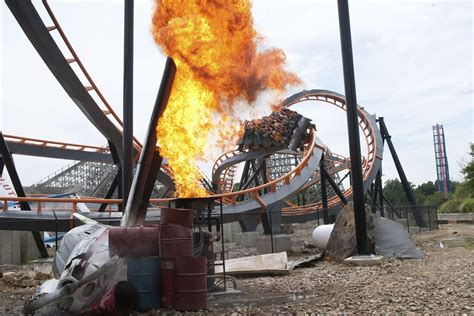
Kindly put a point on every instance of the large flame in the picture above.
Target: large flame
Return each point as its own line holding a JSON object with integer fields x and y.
{"x": 219, "y": 65}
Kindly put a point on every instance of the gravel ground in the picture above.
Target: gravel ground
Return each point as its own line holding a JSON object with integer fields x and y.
{"x": 440, "y": 283}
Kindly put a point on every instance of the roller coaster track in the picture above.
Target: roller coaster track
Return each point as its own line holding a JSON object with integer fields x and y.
{"x": 225, "y": 181}
{"x": 106, "y": 107}
{"x": 54, "y": 149}
{"x": 224, "y": 169}
{"x": 103, "y": 117}
{"x": 109, "y": 124}
{"x": 373, "y": 140}
{"x": 276, "y": 190}
{"x": 54, "y": 144}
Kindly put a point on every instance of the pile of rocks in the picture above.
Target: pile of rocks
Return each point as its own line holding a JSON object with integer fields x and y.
{"x": 275, "y": 129}
{"x": 26, "y": 278}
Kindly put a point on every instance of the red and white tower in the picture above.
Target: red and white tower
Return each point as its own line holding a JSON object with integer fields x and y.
{"x": 442, "y": 170}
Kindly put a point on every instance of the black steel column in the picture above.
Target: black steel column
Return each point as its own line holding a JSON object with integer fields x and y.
{"x": 324, "y": 192}
{"x": 378, "y": 181}
{"x": 380, "y": 194}
{"x": 333, "y": 184}
{"x": 25, "y": 206}
{"x": 127, "y": 140}
{"x": 353, "y": 127}
{"x": 401, "y": 173}
{"x": 373, "y": 197}
{"x": 110, "y": 192}
{"x": 150, "y": 159}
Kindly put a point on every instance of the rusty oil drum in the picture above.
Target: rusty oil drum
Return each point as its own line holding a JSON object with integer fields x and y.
{"x": 190, "y": 286}
{"x": 175, "y": 241}
{"x": 177, "y": 216}
{"x": 141, "y": 241}
{"x": 167, "y": 282}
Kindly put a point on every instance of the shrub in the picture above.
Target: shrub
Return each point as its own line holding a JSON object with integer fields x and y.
{"x": 467, "y": 206}
{"x": 452, "y": 206}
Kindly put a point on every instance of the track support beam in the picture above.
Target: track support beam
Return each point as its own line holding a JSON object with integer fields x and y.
{"x": 401, "y": 173}
{"x": 150, "y": 159}
{"x": 353, "y": 127}
{"x": 324, "y": 193}
{"x": 333, "y": 184}
{"x": 127, "y": 137}
{"x": 25, "y": 206}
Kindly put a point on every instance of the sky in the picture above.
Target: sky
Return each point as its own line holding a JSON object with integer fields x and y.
{"x": 413, "y": 64}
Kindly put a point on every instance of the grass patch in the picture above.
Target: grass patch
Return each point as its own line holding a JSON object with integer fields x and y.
{"x": 467, "y": 243}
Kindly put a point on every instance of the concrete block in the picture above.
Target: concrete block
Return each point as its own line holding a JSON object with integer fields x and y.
{"x": 17, "y": 247}
{"x": 281, "y": 242}
{"x": 10, "y": 247}
{"x": 363, "y": 260}
{"x": 248, "y": 239}
{"x": 28, "y": 249}
{"x": 231, "y": 232}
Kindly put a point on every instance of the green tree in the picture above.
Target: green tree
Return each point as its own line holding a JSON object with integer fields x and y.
{"x": 393, "y": 191}
{"x": 423, "y": 191}
{"x": 427, "y": 188}
{"x": 437, "y": 199}
{"x": 468, "y": 172}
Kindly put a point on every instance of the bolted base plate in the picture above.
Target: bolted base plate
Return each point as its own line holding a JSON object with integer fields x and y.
{"x": 363, "y": 260}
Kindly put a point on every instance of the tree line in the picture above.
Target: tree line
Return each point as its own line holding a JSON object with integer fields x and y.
{"x": 460, "y": 199}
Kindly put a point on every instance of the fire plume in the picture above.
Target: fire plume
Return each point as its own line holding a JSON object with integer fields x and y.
{"x": 219, "y": 65}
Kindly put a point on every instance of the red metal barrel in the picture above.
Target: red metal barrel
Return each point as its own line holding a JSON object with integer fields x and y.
{"x": 190, "y": 286}
{"x": 177, "y": 216}
{"x": 142, "y": 241}
{"x": 175, "y": 241}
{"x": 167, "y": 282}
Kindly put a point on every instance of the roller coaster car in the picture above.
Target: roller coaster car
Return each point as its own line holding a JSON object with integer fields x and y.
{"x": 283, "y": 128}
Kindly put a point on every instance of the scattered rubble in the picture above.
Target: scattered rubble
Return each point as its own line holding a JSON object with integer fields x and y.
{"x": 440, "y": 283}
{"x": 25, "y": 278}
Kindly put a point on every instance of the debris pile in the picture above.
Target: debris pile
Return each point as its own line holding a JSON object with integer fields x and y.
{"x": 25, "y": 278}
{"x": 276, "y": 129}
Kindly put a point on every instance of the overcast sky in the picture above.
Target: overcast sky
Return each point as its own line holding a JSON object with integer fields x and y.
{"x": 413, "y": 66}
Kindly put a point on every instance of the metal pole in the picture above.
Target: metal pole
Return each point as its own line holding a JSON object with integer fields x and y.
{"x": 110, "y": 192}
{"x": 401, "y": 173}
{"x": 7, "y": 159}
{"x": 127, "y": 139}
{"x": 223, "y": 244}
{"x": 353, "y": 127}
{"x": 150, "y": 160}
{"x": 324, "y": 193}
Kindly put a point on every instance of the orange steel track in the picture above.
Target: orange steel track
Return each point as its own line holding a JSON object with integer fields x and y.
{"x": 231, "y": 197}
{"x": 370, "y": 139}
{"x": 54, "y": 144}
{"x": 227, "y": 177}
{"x": 108, "y": 110}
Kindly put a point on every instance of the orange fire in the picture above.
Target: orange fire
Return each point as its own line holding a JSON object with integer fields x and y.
{"x": 219, "y": 65}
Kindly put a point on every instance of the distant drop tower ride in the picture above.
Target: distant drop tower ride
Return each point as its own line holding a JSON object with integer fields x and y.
{"x": 442, "y": 170}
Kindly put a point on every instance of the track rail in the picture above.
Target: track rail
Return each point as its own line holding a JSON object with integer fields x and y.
{"x": 225, "y": 183}
{"x": 371, "y": 162}
{"x": 108, "y": 110}
{"x": 54, "y": 144}
{"x": 102, "y": 115}
{"x": 373, "y": 140}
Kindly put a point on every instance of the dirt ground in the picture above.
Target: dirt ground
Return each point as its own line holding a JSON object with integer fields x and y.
{"x": 440, "y": 283}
